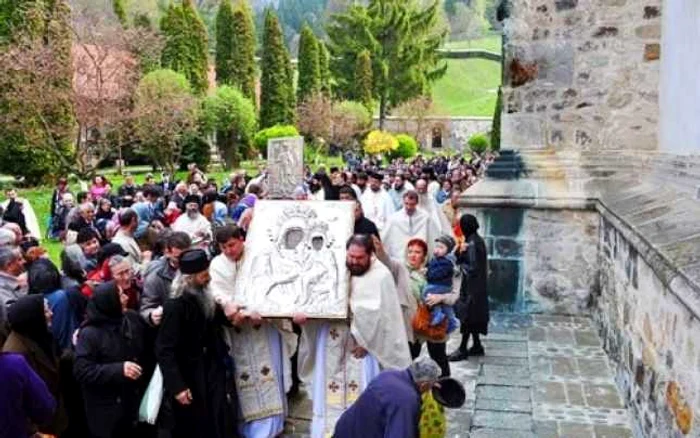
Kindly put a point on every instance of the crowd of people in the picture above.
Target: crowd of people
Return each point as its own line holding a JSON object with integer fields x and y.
{"x": 144, "y": 288}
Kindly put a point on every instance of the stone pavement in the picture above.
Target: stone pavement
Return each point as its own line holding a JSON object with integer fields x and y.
{"x": 543, "y": 376}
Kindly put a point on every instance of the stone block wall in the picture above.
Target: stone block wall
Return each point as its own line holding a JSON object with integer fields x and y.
{"x": 453, "y": 131}
{"x": 582, "y": 74}
{"x": 650, "y": 334}
{"x": 540, "y": 260}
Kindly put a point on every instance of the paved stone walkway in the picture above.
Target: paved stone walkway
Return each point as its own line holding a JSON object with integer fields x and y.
{"x": 543, "y": 376}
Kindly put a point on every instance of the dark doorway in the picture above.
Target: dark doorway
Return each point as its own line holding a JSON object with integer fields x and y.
{"x": 437, "y": 138}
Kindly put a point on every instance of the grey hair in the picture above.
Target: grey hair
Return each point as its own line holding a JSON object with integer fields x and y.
{"x": 8, "y": 255}
{"x": 85, "y": 206}
{"x": 424, "y": 370}
{"x": 7, "y": 237}
{"x": 117, "y": 260}
{"x": 182, "y": 284}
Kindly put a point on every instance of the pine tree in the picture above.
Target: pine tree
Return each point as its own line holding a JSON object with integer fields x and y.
{"x": 120, "y": 11}
{"x": 186, "y": 47}
{"x": 225, "y": 44}
{"x": 402, "y": 39}
{"x": 243, "y": 57}
{"x": 363, "y": 79}
{"x": 324, "y": 68}
{"x": 276, "y": 89}
{"x": 309, "y": 82}
{"x": 496, "y": 126}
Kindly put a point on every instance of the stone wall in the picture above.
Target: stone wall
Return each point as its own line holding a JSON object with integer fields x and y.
{"x": 582, "y": 74}
{"x": 452, "y": 131}
{"x": 651, "y": 335}
{"x": 540, "y": 260}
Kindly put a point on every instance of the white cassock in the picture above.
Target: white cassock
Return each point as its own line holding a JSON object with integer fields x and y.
{"x": 428, "y": 203}
{"x": 29, "y": 217}
{"x": 261, "y": 359}
{"x": 199, "y": 229}
{"x": 376, "y": 324}
{"x": 401, "y": 228}
{"x": 377, "y": 206}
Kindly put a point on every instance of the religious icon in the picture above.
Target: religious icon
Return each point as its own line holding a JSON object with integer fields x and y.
{"x": 285, "y": 157}
{"x": 295, "y": 259}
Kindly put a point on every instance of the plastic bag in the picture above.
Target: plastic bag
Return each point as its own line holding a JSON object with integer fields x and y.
{"x": 433, "y": 423}
{"x": 150, "y": 403}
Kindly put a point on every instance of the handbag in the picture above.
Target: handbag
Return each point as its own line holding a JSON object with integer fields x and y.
{"x": 421, "y": 325}
{"x": 150, "y": 403}
{"x": 433, "y": 423}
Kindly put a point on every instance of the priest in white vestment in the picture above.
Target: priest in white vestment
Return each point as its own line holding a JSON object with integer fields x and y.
{"x": 376, "y": 202}
{"x": 408, "y": 223}
{"x": 261, "y": 350}
{"x": 428, "y": 202}
{"x": 340, "y": 358}
{"x": 194, "y": 223}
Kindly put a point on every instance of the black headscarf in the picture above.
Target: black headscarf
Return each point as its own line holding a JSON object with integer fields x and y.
{"x": 468, "y": 224}
{"x": 43, "y": 277}
{"x": 26, "y": 318}
{"x": 104, "y": 308}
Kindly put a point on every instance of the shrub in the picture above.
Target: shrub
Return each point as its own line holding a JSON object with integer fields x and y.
{"x": 351, "y": 121}
{"x": 277, "y": 131}
{"x": 380, "y": 142}
{"x": 195, "y": 149}
{"x": 496, "y": 127}
{"x": 478, "y": 143}
{"x": 408, "y": 147}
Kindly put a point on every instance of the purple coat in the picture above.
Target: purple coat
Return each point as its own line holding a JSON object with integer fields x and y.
{"x": 24, "y": 397}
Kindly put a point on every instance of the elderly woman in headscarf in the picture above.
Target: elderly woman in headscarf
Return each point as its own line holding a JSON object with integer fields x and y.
{"x": 45, "y": 280}
{"x": 30, "y": 320}
{"x": 111, "y": 363}
{"x": 473, "y": 306}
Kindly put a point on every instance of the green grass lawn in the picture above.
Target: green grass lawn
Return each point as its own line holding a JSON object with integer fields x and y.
{"x": 469, "y": 88}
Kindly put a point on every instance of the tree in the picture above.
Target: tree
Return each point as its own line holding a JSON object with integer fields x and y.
{"x": 496, "y": 125}
{"x": 309, "y": 82}
{"x": 167, "y": 115}
{"x": 402, "y": 40}
{"x": 413, "y": 116}
{"x": 350, "y": 122}
{"x": 315, "y": 117}
{"x": 324, "y": 68}
{"x": 186, "y": 44}
{"x": 243, "y": 56}
{"x": 225, "y": 44}
{"x": 380, "y": 142}
{"x": 363, "y": 79}
{"x": 230, "y": 115}
{"x": 277, "y": 92}
{"x": 120, "y": 11}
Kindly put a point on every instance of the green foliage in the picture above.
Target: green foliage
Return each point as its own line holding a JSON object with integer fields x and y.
{"x": 408, "y": 147}
{"x": 243, "y": 57}
{"x": 295, "y": 14}
{"x": 402, "y": 39}
{"x": 195, "y": 149}
{"x": 120, "y": 11}
{"x": 168, "y": 115}
{"x": 232, "y": 117}
{"x": 186, "y": 46}
{"x": 478, "y": 143}
{"x": 309, "y": 82}
{"x": 324, "y": 68}
{"x": 277, "y": 91}
{"x": 277, "y": 131}
{"x": 496, "y": 126}
{"x": 363, "y": 79}
{"x": 143, "y": 21}
{"x": 224, "y": 44}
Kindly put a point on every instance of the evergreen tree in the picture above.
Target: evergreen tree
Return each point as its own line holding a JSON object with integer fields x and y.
{"x": 224, "y": 43}
{"x": 276, "y": 89}
{"x": 243, "y": 56}
{"x": 324, "y": 68}
{"x": 363, "y": 79}
{"x": 496, "y": 126}
{"x": 120, "y": 12}
{"x": 402, "y": 39}
{"x": 186, "y": 46}
{"x": 309, "y": 82}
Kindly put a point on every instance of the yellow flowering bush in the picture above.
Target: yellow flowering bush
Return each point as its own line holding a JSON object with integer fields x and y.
{"x": 380, "y": 142}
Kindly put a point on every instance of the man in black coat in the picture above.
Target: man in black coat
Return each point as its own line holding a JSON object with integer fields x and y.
{"x": 472, "y": 308}
{"x": 362, "y": 224}
{"x": 193, "y": 356}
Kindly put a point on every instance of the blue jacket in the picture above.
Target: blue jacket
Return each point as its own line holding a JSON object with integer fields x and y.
{"x": 388, "y": 408}
{"x": 440, "y": 271}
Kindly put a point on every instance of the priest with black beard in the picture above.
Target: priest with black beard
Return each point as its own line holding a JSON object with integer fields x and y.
{"x": 197, "y": 375}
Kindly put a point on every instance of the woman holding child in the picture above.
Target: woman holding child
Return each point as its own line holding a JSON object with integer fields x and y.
{"x": 411, "y": 275}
